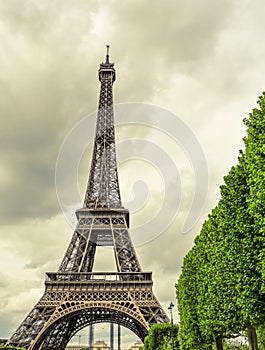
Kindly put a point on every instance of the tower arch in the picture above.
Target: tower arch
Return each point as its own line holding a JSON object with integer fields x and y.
{"x": 82, "y": 316}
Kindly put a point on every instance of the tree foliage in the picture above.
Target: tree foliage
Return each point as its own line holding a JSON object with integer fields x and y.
{"x": 159, "y": 337}
{"x": 221, "y": 289}
{"x": 261, "y": 337}
{"x": 187, "y": 293}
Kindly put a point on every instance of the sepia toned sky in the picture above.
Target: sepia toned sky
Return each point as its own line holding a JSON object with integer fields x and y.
{"x": 202, "y": 61}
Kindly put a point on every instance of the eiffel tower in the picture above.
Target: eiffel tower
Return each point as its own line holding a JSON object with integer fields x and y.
{"x": 75, "y": 296}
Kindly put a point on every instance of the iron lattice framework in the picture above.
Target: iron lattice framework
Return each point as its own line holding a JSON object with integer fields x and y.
{"x": 75, "y": 296}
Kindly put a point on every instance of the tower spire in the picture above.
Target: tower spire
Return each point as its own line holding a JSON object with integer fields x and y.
{"x": 107, "y": 56}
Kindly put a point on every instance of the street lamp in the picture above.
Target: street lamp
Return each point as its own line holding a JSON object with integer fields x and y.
{"x": 171, "y": 305}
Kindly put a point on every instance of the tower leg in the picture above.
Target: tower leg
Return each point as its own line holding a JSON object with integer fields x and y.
{"x": 91, "y": 336}
{"x": 111, "y": 336}
{"x": 119, "y": 337}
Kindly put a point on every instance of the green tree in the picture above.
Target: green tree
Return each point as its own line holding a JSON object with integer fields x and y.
{"x": 159, "y": 337}
{"x": 240, "y": 225}
{"x": 261, "y": 337}
{"x": 227, "y": 285}
{"x": 230, "y": 300}
{"x": 255, "y": 160}
{"x": 255, "y": 167}
{"x": 190, "y": 335}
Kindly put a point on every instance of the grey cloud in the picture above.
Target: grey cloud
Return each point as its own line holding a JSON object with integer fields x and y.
{"x": 175, "y": 30}
{"x": 37, "y": 19}
{"x": 3, "y": 282}
{"x": 175, "y": 38}
{"x": 44, "y": 91}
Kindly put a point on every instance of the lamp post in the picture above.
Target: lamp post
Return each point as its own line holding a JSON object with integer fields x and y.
{"x": 171, "y": 305}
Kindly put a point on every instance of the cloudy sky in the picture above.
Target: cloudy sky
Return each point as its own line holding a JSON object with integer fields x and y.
{"x": 202, "y": 62}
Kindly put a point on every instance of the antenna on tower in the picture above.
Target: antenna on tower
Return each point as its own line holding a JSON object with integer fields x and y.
{"x": 107, "y": 56}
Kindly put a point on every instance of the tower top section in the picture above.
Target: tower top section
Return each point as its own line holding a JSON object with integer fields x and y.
{"x": 106, "y": 70}
{"x": 103, "y": 191}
